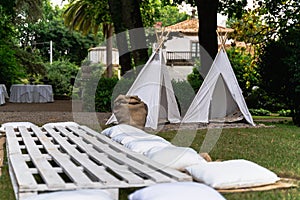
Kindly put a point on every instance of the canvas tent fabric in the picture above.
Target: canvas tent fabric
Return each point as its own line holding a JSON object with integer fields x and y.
{"x": 153, "y": 86}
{"x": 219, "y": 98}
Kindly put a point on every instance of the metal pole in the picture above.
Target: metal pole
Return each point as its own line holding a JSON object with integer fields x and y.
{"x": 50, "y": 51}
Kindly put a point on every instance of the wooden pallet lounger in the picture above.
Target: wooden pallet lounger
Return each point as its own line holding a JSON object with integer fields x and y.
{"x": 68, "y": 158}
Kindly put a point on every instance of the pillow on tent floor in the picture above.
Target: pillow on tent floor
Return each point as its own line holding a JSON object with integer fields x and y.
{"x": 176, "y": 191}
{"x": 15, "y": 125}
{"x": 90, "y": 194}
{"x": 125, "y": 138}
{"x": 176, "y": 157}
{"x": 63, "y": 124}
{"x": 142, "y": 146}
{"x": 232, "y": 174}
{"x": 121, "y": 128}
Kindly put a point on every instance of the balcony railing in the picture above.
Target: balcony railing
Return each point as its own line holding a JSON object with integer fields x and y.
{"x": 181, "y": 57}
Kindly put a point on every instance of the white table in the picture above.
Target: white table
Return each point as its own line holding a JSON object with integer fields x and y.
{"x": 3, "y": 94}
{"x": 20, "y": 93}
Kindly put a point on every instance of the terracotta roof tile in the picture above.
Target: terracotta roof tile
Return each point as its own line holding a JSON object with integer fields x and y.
{"x": 192, "y": 26}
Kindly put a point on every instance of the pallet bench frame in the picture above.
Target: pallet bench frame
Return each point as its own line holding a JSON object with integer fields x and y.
{"x": 69, "y": 158}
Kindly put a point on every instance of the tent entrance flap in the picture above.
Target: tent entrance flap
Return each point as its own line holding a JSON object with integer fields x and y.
{"x": 163, "y": 108}
{"x": 223, "y": 107}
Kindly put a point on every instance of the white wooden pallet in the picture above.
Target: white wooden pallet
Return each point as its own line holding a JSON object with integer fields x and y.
{"x": 69, "y": 158}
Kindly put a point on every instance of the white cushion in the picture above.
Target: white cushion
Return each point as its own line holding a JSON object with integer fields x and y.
{"x": 142, "y": 146}
{"x": 124, "y": 138}
{"x": 176, "y": 191}
{"x": 121, "y": 128}
{"x": 232, "y": 174}
{"x": 90, "y": 194}
{"x": 176, "y": 157}
{"x": 16, "y": 125}
{"x": 63, "y": 124}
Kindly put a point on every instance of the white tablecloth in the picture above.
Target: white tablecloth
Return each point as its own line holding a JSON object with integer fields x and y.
{"x": 3, "y": 94}
{"x": 20, "y": 93}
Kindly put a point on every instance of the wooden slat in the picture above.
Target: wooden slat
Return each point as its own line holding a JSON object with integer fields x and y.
{"x": 17, "y": 162}
{"x": 121, "y": 170}
{"x": 74, "y": 173}
{"x": 88, "y": 165}
{"x": 22, "y": 173}
{"x": 51, "y": 178}
{"x": 12, "y": 141}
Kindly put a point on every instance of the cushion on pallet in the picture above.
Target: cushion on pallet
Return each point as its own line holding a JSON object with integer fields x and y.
{"x": 142, "y": 146}
{"x": 125, "y": 138}
{"x": 121, "y": 128}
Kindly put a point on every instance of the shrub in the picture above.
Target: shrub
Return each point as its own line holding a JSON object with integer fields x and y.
{"x": 260, "y": 99}
{"x": 104, "y": 94}
{"x": 285, "y": 113}
{"x": 244, "y": 67}
{"x": 184, "y": 99}
{"x": 10, "y": 70}
{"x": 59, "y": 74}
{"x": 195, "y": 79}
{"x": 260, "y": 112}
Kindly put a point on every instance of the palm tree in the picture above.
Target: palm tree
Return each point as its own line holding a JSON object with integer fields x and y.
{"x": 87, "y": 16}
{"x": 31, "y": 9}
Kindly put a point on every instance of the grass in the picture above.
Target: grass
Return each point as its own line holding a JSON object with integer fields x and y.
{"x": 275, "y": 147}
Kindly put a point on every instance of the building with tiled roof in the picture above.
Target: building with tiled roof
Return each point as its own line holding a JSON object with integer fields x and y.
{"x": 182, "y": 47}
{"x": 191, "y": 27}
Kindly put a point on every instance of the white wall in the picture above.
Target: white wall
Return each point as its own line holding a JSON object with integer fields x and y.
{"x": 98, "y": 55}
{"x": 180, "y": 44}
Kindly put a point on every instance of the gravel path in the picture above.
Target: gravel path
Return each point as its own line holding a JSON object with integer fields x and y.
{"x": 41, "y": 113}
{"x": 61, "y": 111}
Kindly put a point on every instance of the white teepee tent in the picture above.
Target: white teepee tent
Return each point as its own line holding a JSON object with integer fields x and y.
{"x": 153, "y": 86}
{"x": 219, "y": 98}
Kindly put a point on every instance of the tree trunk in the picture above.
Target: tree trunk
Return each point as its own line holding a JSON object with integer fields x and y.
{"x": 133, "y": 21}
{"x": 207, "y": 14}
{"x": 109, "y": 64}
{"x": 115, "y": 9}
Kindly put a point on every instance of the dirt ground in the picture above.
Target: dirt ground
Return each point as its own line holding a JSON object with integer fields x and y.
{"x": 56, "y": 106}
{"x": 41, "y": 113}
{"x": 61, "y": 111}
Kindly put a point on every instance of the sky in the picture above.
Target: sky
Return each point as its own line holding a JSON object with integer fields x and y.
{"x": 57, "y": 2}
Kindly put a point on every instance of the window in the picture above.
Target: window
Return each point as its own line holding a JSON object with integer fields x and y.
{"x": 195, "y": 50}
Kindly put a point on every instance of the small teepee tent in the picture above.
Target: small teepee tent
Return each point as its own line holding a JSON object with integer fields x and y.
{"x": 219, "y": 98}
{"x": 153, "y": 86}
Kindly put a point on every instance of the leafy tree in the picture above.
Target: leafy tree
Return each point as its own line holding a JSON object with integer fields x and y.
{"x": 280, "y": 15}
{"x": 245, "y": 69}
{"x": 166, "y": 14}
{"x": 280, "y": 71}
{"x": 250, "y": 29}
{"x": 60, "y": 73}
{"x": 86, "y": 16}
{"x": 11, "y": 70}
{"x": 67, "y": 44}
{"x": 31, "y": 10}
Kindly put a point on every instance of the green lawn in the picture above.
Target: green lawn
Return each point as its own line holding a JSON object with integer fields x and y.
{"x": 276, "y": 148}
